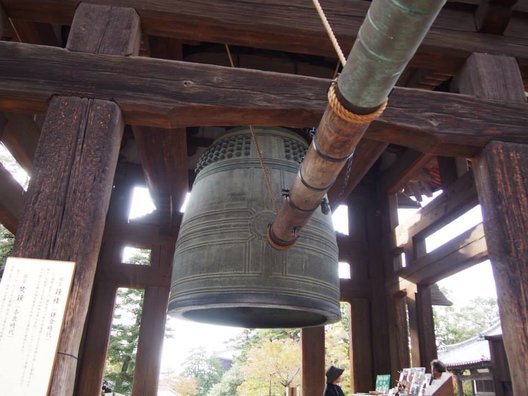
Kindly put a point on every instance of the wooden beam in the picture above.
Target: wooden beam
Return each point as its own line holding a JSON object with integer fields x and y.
{"x": 502, "y": 184}
{"x": 461, "y": 252}
{"x": 150, "y": 342}
{"x": 480, "y": 77}
{"x": 493, "y": 16}
{"x": 3, "y": 21}
{"x": 426, "y": 330}
{"x": 35, "y": 32}
{"x": 313, "y": 360}
{"x": 361, "y": 364}
{"x": 169, "y": 94}
{"x": 96, "y": 344}
{"x": 404, "y": 168}
{"x": 503, "y": 187}
{"x": 68, "y": 197}
{"x": 11, "y": 200}
{"x": 453, "y": 202}
{"x": 21, "y": 136}
{"x": 105, "y": 29}
{"x": 351, "y": 289}
{"x": 163, "y": 154}
{"x": 166, "y": 174}
{"x": 291, "y": 26}
{"x": 413, "y": 324}
{"x": 133, "y": 276}
{"x": 70, "y": 190}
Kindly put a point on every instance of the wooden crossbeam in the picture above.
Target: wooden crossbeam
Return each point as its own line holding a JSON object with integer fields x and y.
{"x": 463, "y": 251}
{"x": 170, "y": 94}
{"x": 291, "y": 26}
{"x": 453, "y": 202}
{"x": 163, "y": 154}
{"x": 402, "y": 170}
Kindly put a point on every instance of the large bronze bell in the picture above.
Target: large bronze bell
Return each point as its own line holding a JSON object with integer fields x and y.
{"x": 224, "y": 270}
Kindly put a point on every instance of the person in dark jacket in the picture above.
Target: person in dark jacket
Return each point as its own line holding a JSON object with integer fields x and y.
{"x": 333, "y": 377}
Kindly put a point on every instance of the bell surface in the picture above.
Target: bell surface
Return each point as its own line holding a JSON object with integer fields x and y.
{"x": 224, "y": 270}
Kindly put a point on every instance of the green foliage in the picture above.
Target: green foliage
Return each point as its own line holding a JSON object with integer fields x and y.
{"x": 229, "y": 383}
{"x": 182, "y": 385}
{"x": 122, "y": 348}
{"x": 204, "y": 369}
{"x": 455, "y": 324}
{"x": 7, "y": 240}
{"x": 337, "y": 345}
{"x": 121, "y": 358}
{"x": 272, "y": 366}
{"x": 266, "y": 363}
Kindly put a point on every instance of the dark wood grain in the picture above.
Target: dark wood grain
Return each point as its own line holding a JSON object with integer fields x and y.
{"x": 11, "y": 200}
{"x": 291, "y": 26}
{"x": 366, "y": 154}
{"x": 493, "y": 16}
{"x": 168, "y": 94}
{"x": 163, "y": 154}
{"x": 404, "y": 168}
{"x": 502, "y": 185}
{"x": 313, "y": 360}
{"x": 93, "y": 358}
{"x": 426, "y": 328}
{"x": 67, "y": 201}
{"x": 69, "y": 194}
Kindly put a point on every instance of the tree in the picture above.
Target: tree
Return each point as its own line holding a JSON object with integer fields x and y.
{"x": 121, "y": 358}
{"x": 204, "y": 369}
{"x": 455, "y": 324}
{"x": 271, "y": 367}
{"x": 337, "y": 345}
{"x": 269, "y": 360}
{"x": 184, "y": 386}
{"x": 124, "y": 335}
{"x": 229, "y": 383}
{"x": 7, "y": 240}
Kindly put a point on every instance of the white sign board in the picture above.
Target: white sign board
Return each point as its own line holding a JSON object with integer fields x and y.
{"x": 33, "y": 296}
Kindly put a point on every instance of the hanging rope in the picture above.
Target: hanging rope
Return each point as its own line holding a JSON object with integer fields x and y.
{"x": 257, "y": 148}
{"x": 330, "y": 32}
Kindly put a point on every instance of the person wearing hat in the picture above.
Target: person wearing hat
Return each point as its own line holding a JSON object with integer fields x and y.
{"x": 333, "y": 377}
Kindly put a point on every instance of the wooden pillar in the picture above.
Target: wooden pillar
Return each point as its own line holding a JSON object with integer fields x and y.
{"x": 396, "y": 312}
{"x": 70, "y": 189}
{"x": 377, "y": 268}
{"x": 361, "y": 371}
{"x": 501, "y": 176}
{"x": 3, "y": 20}
{"x": 93, "y": 354}
{"x": 152, "y": 329}
{"x": 93, "y": 358}
{"x": 414, "y": 332}
{"x": 313, "y": 360}
{"x": 426, "y": 331}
